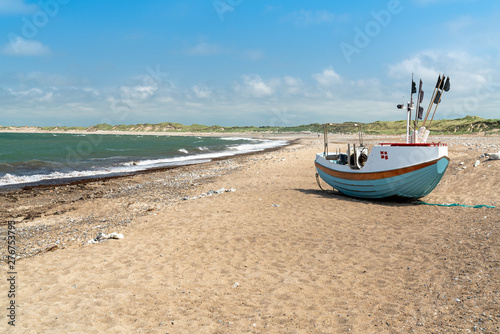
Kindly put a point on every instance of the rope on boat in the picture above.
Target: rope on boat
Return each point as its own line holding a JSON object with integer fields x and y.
{"x": 456, "y": 204}
{"x": 319, "y": 184}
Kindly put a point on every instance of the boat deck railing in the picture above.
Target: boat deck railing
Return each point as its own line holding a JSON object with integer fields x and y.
{"x": 414, "y": 144}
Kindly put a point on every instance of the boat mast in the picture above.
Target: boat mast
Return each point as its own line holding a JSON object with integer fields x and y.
{"x": 408, "y": 112}
{"x": 325, "y": 138}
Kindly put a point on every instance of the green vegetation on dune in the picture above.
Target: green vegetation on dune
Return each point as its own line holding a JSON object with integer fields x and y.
{"x": 468, "y": 124}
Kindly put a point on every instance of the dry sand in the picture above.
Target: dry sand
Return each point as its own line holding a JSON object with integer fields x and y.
{"x": 278, "y": 255}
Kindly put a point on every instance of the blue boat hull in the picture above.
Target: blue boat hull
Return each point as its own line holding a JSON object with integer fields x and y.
{"x": 415, "y": 182}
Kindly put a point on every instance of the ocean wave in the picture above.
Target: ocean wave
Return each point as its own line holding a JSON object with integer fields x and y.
{"x": 126, "y": 168}
{"x": 10, "y": 179}
{"x": 131, "y": 166}
{"x": 13, "y": 166}
{"x": 231, "y": 151}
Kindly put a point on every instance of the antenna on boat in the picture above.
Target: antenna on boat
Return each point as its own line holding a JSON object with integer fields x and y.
{"x": 420, "y": 97}
{"x": 325, "y": 137}
{"x": 360, "y": 131}
{"x": 408, "y": 110}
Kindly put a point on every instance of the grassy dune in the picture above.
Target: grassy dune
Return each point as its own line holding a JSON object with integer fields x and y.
{"x": 468, "y": 124}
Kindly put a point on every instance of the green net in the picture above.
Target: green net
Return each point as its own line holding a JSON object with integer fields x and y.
{"x": 456, "y": 204}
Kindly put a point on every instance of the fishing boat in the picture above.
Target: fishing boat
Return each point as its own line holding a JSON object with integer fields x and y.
{"x": 410, "y": 169}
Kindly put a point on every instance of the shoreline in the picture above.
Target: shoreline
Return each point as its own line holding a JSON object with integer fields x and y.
{"x": 92, "y": 178}
{"x": 88, "y": 179}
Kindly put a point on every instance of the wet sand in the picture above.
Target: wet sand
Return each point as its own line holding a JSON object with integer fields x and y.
{"x": 278, "y": 255}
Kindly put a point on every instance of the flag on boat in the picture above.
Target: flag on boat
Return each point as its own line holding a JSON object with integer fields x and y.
{"x": 420, "y": 112}
{"x": 420, "y": 92}
{"x": 438, "y": 97}
{"x": 447, "y": 84}
{"x": 413, "y": 87}
{"x": 440, "y": 82}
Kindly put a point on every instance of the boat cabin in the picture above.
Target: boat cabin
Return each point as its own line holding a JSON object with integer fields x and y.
{"x": 355, "y": 157}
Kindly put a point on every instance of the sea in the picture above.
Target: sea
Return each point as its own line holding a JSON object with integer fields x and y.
{"x": 54, "y": 158}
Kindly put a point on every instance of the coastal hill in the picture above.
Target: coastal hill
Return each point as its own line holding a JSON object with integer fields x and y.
{"x": 465, "y": 125}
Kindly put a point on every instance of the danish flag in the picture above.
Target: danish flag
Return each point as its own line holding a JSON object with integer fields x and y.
{"x": 384, "y": 155}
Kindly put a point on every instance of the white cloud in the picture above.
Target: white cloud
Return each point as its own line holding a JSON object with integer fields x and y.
{"x": 281, "y": 100}
{"x": 255, "y": 86}
{"x": 201, "y": 91}
{"x": 138, "y": 92}
{"x": 465, "y": 70}
{"x": 254, "y": 54}
{"x": 20, "y": 82}
{"x": 16, "y": 7}
{"x": 474, "y": 87}
{"x": 293, "y": 85}
{"x": 48, "y": 97}
{"x": 423, "y": 65}
{"x": 328, "y": 77}
{"x": 91, "y": 91}
{"x": 80, "y": 107}
{"x": 25, "y": 47}
{"x": 204, "y": 49}
{"x": 24, "y": 93}
{"x": 308, "y": 17}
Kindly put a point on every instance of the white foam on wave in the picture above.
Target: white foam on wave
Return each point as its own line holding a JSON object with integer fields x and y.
{"x": 261, "y": 145}
{"x": 237, "y": 138}
{"x": 128, "y": 167}
{"x": 10, "y": 179}
{"x": 182, "y": 150}
{"x": 135, "y": 166}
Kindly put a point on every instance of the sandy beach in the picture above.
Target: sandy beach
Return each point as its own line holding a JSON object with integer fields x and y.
{"x": 274, "y": 255}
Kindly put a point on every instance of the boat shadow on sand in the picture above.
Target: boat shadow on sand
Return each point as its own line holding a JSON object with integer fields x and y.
{"x": 394, "y": 201}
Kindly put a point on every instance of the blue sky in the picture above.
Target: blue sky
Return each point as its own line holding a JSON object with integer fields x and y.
{"x": 242, "y": 62}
